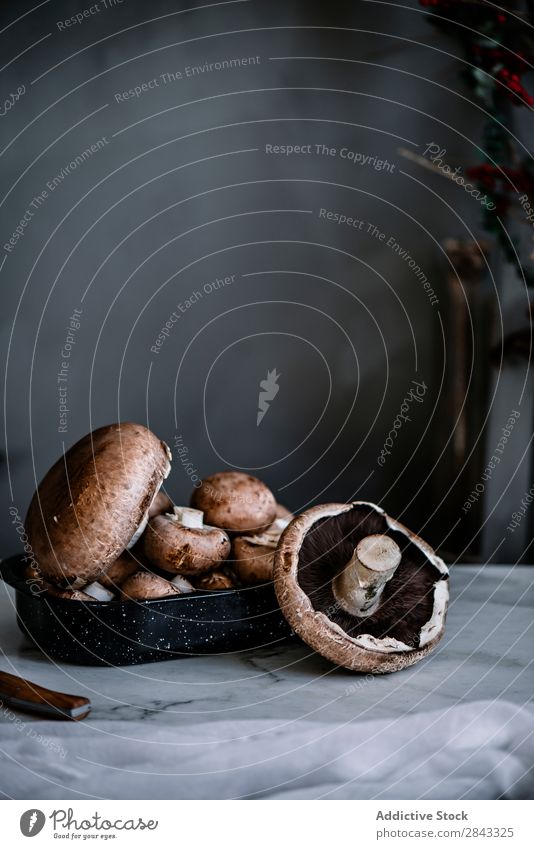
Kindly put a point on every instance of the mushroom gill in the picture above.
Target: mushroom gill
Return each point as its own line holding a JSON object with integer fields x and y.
{"x": 407, "y": 598}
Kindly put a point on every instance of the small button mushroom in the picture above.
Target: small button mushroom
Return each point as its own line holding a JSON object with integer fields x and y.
{"x": 216, "y": 580}
{"x": 146, "y": 585}
{"x": 37, "y": 586}
{"x": 234, "y": 501}
{"x": 283, "y": 513}
{"x": 161, "y": 504}
{"x": 34, "y": 580}
{"x": 71, "y": 595}
{"x": 253, "y": 557}
{"x": 360, "y": 588}
{"x": 121, "y": 568}
{"x": 180, "y": 542}
{"x": 93, "y": 502}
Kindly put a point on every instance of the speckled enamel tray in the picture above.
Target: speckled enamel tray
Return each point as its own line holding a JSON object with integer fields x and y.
{"x": 120, "y": 633}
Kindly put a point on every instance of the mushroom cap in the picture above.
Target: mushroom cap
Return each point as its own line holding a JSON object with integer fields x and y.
{"x": 252, "y": 563}
{"x": 71, "y": 595}
{"x": 216, "y": 580}
{"x": 237, "y": 502}
{"x": 34, "y": 580}
{"x": 123, "y": 567}
{"x": 253, "y": 556}
{"x": 146, "y": 585}
{"x": 32, "y": 573}
{"x": 161, "y": 504}
{"x": 410, "y": 619}
{"x": 89, "y": 505}
{"x": 186, "y": 551}
{"x": 283, "y": 513}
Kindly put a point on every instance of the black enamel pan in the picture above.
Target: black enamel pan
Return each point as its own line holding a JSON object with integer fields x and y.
{"x": 120, "y": 633}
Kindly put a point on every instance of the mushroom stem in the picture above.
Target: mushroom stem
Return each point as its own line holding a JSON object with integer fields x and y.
{"x": 98, "y": 592}
{"x": 189, "y": 517}
{"x": 182, "y": 584}
{"x": 358, "y": 588}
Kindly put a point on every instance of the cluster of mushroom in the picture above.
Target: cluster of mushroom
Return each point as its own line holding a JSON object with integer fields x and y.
{"x": 356, "y": 585}
{"x": 247, "y": 510}
{"x": 101, "y": 528}
{"x": 226, "y": 539}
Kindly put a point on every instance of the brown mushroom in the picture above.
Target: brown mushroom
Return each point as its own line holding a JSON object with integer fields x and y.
{"x": 34, "y": 580}
{"x": 123, "y": 567}
{"x": 71, "y": 595}
{"x": 146, "y": 585}
{"x": 93, "y": 502}
{"x": 216, "y": 580}
{"x": 32, "y": 573}
{"x": 98, "y": 592}
{"x": 161, "y": 504}
{"x": 360, "y": 588}
{"x": 283, "y": 513}
{"x": 253, "y": 557}
{"x": 180, "y": 542}
{"x": 234, "y": 501}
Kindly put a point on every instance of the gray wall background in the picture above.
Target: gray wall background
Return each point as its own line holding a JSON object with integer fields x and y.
{"x": 184, "y": 193}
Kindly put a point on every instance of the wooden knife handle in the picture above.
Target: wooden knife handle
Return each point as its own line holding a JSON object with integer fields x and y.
{"x": 26, "y": 696}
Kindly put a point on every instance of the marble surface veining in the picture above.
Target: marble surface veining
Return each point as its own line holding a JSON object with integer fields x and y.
{"x": 486, "y": 654}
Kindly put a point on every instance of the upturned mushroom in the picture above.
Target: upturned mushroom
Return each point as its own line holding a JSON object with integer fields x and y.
{"x": 145, "y": 585}
{"x": 253, "y": 556}
{"x": 234, "y": 501}
{"x": 32, "y": 573}
{"x": 180, "y": 542}
{"x": 360, "y": 588}
{"x": 94, "y": 502}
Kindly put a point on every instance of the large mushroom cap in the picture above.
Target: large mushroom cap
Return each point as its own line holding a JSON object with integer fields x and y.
{"x": 409, "y": 620}
{"x": 93, "y": 500}
{"x": 234, "y": 501}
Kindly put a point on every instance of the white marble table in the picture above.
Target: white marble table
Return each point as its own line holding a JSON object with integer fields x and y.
{"x": 486, "y": 655}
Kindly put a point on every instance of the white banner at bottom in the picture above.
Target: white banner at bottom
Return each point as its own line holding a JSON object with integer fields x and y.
{"x": 268, "y": 824}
